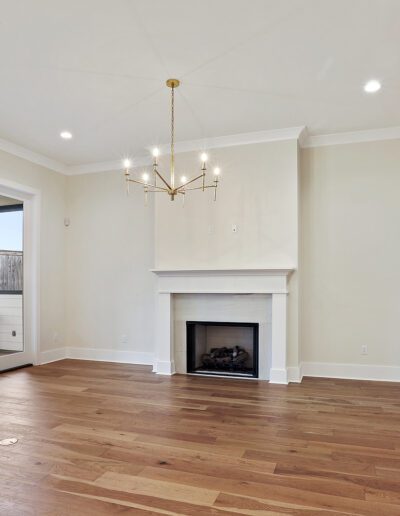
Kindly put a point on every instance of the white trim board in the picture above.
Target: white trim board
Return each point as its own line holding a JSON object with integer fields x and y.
{"x": 291, "y": 133}
{"x": 382, "y": 373}
{"x": 52, "y": 355}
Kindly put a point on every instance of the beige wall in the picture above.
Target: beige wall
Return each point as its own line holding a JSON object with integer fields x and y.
{"x": 258, "y": 193}
{"x": 110, "y": 240}
{"x": 349, "y": 246}
{"x": 350, "y": 253}
{"x": 52, "y": 249}
{"x": 348, "y": 281}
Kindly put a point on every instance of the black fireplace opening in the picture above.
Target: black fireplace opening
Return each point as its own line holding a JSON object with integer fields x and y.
{"x": 222, "y": 348}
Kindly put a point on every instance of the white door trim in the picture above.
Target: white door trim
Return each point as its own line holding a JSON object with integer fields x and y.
{"x": 31, "y": 198}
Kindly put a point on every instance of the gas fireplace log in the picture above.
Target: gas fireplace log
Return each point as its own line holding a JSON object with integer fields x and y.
{"x": 225, "y": 358}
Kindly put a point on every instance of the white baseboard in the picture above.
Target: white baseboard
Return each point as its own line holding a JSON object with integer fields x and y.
{"x": 278, "y": 376}
{"x": 351, "y": 371}
{"x": 45, "y": 357}
{"x": 101, "y": 355}
{"x": 294, "y": 374}
{"x": 111, "y": 355}
{"x": 167, "y": 368}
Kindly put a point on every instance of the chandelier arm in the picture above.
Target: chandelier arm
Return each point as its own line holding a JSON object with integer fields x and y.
{"x": 192, "y": 180}
{"x": 162, "y": 179}
{"x": 200, "y": 187}
{"x": 148, "y": 184}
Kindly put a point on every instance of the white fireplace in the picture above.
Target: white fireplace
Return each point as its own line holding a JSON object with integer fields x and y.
{"x": 248, "y": 295}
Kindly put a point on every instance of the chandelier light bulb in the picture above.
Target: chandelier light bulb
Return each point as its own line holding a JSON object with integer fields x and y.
{"x": 217, "y": 171}
{"x": 155, "y": 152}
{"x": 183, "y": 179}
{"x": 127, "y": 163}
{"x": 372, "y": 86}
{"x": 145, "y": 177}
{"x": 204, "y": 157}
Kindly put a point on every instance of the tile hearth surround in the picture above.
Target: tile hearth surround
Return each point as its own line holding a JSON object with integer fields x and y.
{"x": 266, "y": 282}
{"x": 223, "y": 308}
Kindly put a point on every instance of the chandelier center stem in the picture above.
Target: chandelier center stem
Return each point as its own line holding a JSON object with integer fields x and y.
{"x": 172, "y": 137}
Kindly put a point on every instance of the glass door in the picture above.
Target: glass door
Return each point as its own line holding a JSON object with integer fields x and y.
{"x": 12, "y": 348}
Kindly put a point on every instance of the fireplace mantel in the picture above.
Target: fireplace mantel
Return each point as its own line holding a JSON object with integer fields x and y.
{"x": 272, "y": 281}
{"x": 223, "y": 281}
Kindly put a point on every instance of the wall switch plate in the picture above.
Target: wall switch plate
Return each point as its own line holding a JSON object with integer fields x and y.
{"x": 364, "y": 349}
{"x": 234, "y": 228}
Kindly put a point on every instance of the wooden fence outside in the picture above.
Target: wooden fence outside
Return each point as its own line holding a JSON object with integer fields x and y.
{"x": 11, "y": 272}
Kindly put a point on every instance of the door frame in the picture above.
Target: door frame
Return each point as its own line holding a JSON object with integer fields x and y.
{"x": 31, "y": 199}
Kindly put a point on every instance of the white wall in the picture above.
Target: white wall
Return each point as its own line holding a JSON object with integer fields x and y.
{"x": 11, "y": 320}
{"x": 351, "y": 254}
{"x": 52, "y": 248}
{"x": 110, "y": 290}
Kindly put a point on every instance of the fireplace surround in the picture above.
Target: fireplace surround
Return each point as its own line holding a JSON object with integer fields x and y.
{"x": 270, "y": 282}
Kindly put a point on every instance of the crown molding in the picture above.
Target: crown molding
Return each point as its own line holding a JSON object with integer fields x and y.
{"x": 300, "y": 134}
{"x": 106, "y": 166}
{"x": 370, "y": 135}
{"x": 33, "y": 157}
{"x": 290, "y": 133}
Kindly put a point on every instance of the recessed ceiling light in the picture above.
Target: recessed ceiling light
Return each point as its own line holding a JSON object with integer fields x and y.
{"x": 372, "y": 86}
{"x": 66, "y": 135}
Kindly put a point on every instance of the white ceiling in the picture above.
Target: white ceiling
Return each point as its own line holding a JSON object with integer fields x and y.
{"x": 98, "y": 68}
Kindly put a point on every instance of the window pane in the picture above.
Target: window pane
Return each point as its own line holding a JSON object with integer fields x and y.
{"x": 11, "y": 230}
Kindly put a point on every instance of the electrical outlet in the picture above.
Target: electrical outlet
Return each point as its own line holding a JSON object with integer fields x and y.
{"x": 364, "y": 349}
{"x": 124, "y": 339}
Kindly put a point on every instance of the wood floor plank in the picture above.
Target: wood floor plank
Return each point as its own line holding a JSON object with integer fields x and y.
{"x": 107, "y": 438}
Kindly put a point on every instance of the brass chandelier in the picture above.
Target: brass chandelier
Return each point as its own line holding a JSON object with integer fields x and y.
{"x": 157, "y": 183}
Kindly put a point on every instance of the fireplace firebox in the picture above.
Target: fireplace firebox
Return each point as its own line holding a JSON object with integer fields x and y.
{"x": 222, "y": 348}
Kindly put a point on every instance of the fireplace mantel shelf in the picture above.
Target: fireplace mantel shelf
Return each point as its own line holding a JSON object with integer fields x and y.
{"x": 270, "y": 271}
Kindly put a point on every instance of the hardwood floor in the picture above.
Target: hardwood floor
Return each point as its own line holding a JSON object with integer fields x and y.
{"x": 103, "y": 439}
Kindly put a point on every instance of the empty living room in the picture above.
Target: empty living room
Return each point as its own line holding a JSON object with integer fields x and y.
{"x": 199, "y": 257}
